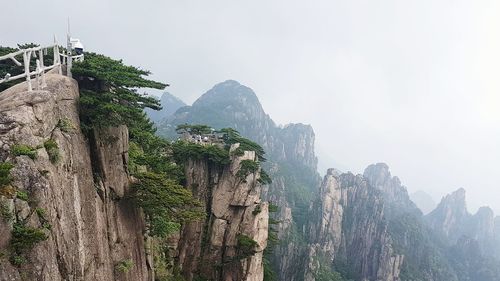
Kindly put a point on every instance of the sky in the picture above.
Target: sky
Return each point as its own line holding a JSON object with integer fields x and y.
{"x": 414, "y": 84}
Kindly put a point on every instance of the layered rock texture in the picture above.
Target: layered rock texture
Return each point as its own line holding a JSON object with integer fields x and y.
{"x": 476, "y": 237}
{"x": 291, "y": 161}
{"x": 351, "y": 229}
{"x": 229, "y": 244}
{"x": 452, "y": 219}
{"x": 76, "y": 198}
{"x": 347, "y": 227}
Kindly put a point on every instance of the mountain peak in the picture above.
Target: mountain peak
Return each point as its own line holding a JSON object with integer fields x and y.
{"x": 229, "y": 83}
{"x": 230, "y": 93}
{"x": 169, "y": 104}
{"x": 378, "y": 174}
{"x": 451, "y": 214}
{"x": 485, "y": 212}
{"x": 455, "y": 200}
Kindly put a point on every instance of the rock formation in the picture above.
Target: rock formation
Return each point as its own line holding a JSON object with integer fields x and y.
{"x": 450, "y": 215}
{"x": 350, "y": 229}
{"x": 395, "y": 194}
{"x": 291, "y": 161}
{"x": 452, "y": 219}
{"x": 215, "y": 248}
{"x": 72, "y": 194}
{"x": 76, "y": 198}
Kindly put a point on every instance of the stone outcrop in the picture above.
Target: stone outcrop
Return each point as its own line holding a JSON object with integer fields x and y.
{"x": 452, "y": 219}
{"x": 291, "y": 162}
{"x": 77, "y": 199}
{"x": 213, "y": 249}
{"x": 395, "y": 194}
{"x": 350, "y": 227}
{"x": 450, "y": 215}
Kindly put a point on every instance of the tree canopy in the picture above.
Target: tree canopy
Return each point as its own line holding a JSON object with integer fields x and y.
{"x": 109, "y": 92}
{"x": 109, "y": 97}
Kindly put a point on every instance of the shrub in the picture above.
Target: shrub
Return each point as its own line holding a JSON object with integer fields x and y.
{"x": 183, "y": 151}
{"x": 21, "y": 149}
{"x": 247, "y": 167}
{"x": 23, "y": 195}
{"x": 5, "y": 213}
{"x": 231, "y": 136}
{"x": 52, "y": 150}
{"x": 124, "y": 266}
{"x": 65, "y": 125}
{"x": 246, "y": 246}
{"x": 41, "y": 212}
{"x": 273, "y": 208}
{"x": 164, "y": 202}
{"x": 23, "y": 239}
{"x": 257, "y": 210}
{"x": 5, "y": 178}
{"x": 18, "y": 260}
{"x": 264, "y": 178}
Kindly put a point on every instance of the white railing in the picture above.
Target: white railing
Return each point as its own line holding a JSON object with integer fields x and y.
{"x": 39, "y": 72}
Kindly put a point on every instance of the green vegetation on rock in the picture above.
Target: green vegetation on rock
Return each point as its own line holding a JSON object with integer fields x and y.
{"x": 247, "y": 167}
{"x": 183, "y": 151}
{"x": 124, "y": 266}
{"x": 109, "y": 92}
{"x": 5, "y": 177}
{"x": 193, "y": 129}
{"x": 52, "y": 150}
{"x": 65, "y": 125}
{"x": 109, "y": 97}
{"x": 163, "y": 201}
{"x": 23, "y": 195}
{"x": 246, "y": 246}
{"x": 24, "y": 238}
{"x": 21, "y": 149}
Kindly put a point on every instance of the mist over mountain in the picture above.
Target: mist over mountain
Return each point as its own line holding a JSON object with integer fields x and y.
{"x": 323, "y": 140}
{"x": 169, "y": 104}
{"x": 424, "y": 201}
{"x": 326, "y": 233}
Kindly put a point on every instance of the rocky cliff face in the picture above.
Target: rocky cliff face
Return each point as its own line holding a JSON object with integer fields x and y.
{"x": 291, "y": 161}
{"x": 74, "y": 198}
{"x": 395, "y": 194}
{"x": 350, "y": 229}
{"x": 450, "y": 215}
{"x": 452, "y": 219}
{"x": 228, "y": 245}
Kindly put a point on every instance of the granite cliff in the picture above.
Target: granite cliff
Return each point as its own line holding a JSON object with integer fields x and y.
{"x": 291, "y": 162}
{"x": 217, "y": 248}
{"x": 89, "y": 228}
{"x": 67, "y": 214}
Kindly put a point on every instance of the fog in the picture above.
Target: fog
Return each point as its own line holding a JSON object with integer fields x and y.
{"x": 414, "y": 84}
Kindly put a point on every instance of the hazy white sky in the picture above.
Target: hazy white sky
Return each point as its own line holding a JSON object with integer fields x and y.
{"x": 411, "y": 83}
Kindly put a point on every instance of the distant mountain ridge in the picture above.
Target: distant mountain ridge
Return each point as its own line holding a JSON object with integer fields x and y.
{"x": 292, "y": 163}
{"x": 348, "y": 227}
{"x": 424, "y": 201}
{"x": 169, "y": 104}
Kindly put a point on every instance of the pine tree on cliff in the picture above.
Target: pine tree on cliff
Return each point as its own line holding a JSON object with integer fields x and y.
{"x": 109, "y": 97}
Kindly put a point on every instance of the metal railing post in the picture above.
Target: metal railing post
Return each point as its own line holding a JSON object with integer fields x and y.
{"x": 26, "y": 61}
